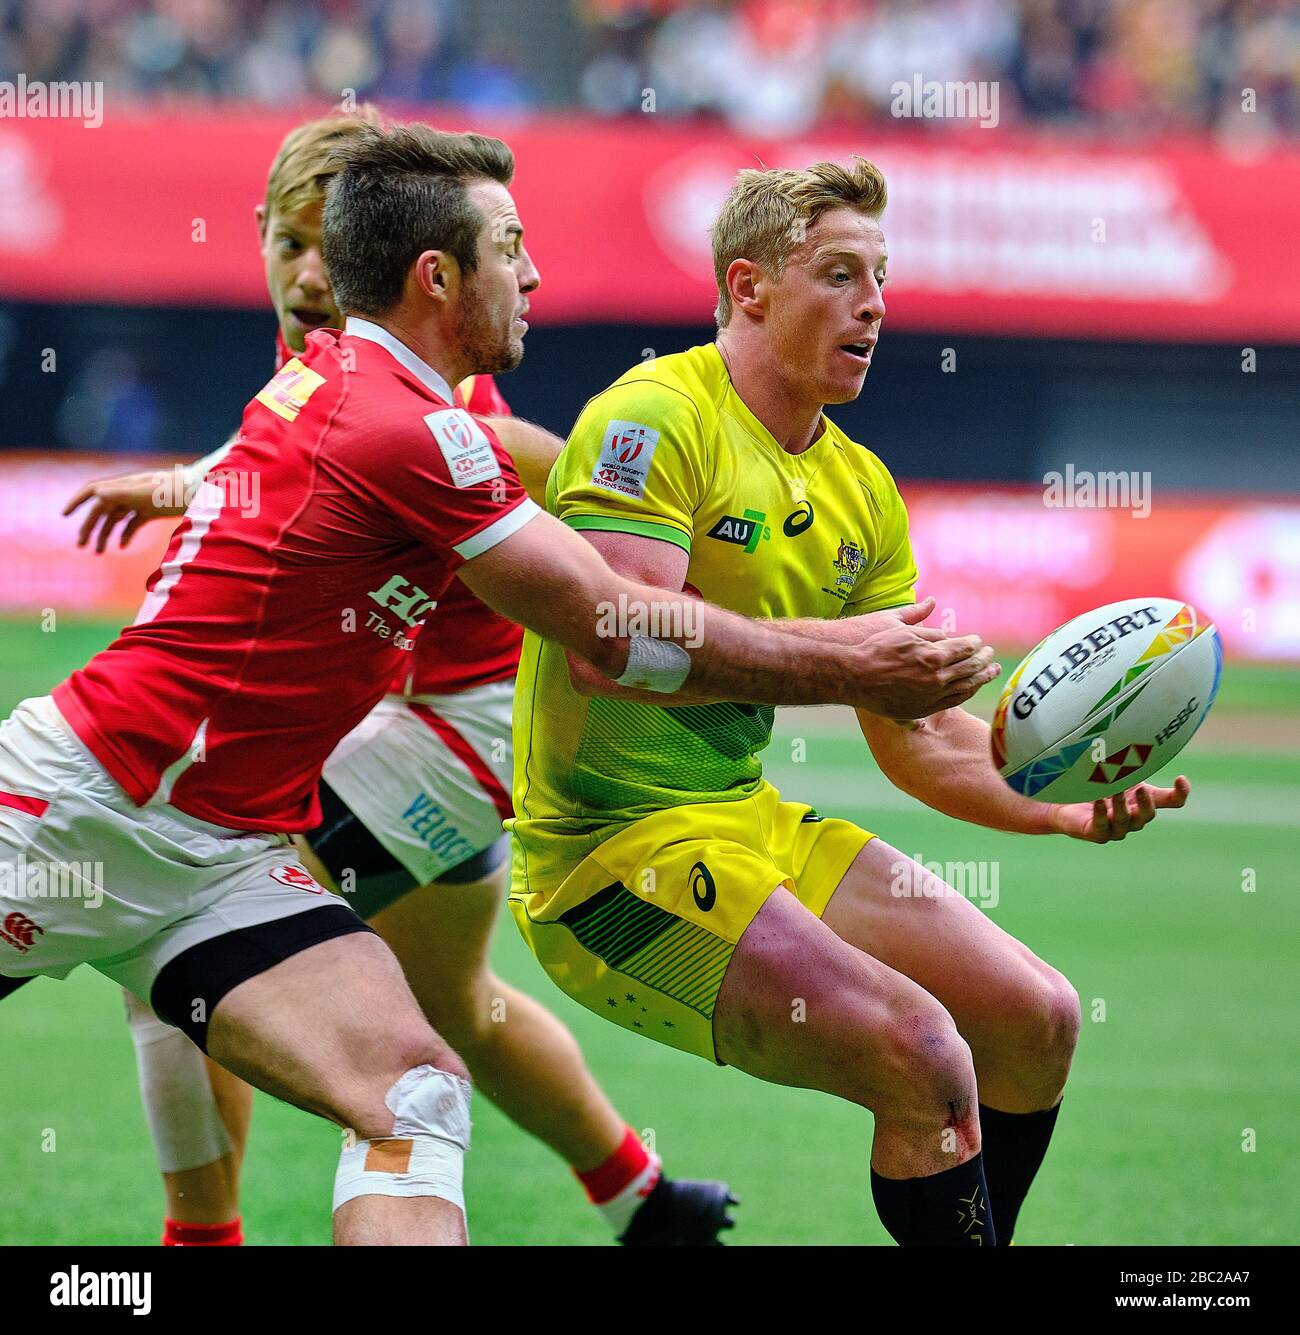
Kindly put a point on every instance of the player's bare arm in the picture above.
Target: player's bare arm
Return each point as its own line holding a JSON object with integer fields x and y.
{"x": 968, "y": 675}
{"x": 552, "y": 580}
{"x": 945, "y": 762}
{"x": 153, "y": 493}
{"x": 130, "y": 497}
{"x": 962, "y": 666}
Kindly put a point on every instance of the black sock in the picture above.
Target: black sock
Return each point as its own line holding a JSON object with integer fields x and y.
{"x": 948, "y": 1209}
{"x": 1014, "y": 1145}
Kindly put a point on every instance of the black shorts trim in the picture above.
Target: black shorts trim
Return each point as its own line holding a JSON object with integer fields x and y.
{"x": 368, "y": 876}
{"x": 342, "y": 841}
{"x": 206, "y": 972}
{"x": 8, "y": 985}
{"x": 477, "y": 865}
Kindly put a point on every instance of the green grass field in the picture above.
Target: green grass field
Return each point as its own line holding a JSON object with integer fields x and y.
{"x": 1198, "y": 1051}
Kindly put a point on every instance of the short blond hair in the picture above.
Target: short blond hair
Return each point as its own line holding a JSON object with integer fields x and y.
{"x": 305, "y": 162}
{"x": 768, "y": 214}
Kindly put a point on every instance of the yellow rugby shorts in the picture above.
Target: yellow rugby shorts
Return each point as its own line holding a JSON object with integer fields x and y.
{"x": 641, "y": 930}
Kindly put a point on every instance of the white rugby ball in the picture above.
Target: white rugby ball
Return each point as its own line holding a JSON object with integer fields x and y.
{"x": 1107, "y": 700}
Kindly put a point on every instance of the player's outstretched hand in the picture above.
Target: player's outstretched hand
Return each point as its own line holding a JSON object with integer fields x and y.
{"x": 1108, "y": 820}
{"x": 913, "y": 671}
{"x": 132, "y": 496}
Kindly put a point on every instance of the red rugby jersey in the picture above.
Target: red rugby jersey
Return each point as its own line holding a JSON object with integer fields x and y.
{"x": 296, "y": 584}
{"x": 470, "y": 644}
{"x": 464, "y": 643}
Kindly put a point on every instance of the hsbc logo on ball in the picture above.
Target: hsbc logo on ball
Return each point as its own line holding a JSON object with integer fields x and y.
{"x": 625, "y": 455}
{"x": 298, "y": 879}
{"x": 1175, "y": 724}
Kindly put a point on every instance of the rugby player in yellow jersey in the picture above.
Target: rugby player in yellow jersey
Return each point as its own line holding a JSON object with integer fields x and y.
{"x": 658, "y": 877}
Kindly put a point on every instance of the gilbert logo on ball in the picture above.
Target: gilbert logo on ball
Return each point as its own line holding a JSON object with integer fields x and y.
{"x": 1107, "y": 700}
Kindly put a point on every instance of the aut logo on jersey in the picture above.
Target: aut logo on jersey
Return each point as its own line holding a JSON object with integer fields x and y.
{"x": 625, "y": 456}
{"x": 747, "y": 531}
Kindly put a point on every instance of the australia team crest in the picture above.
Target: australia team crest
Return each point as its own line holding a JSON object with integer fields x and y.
{"x": 848, "y": 566}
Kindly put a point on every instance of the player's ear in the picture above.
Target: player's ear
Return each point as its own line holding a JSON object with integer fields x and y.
{"x": 436, "y": 274}
{"x": 743, "y": 278}
{"x": 260, "y": 214}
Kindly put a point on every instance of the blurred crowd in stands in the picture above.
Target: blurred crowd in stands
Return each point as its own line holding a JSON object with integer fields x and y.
{"x": 1118, "y": 66}
{"x": 1115, "y": 65}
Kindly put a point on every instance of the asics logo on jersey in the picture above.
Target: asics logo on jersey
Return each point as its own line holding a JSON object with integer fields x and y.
{"x": 746, "y": 532}
{"x": 408, "y": 601}
{"x": 800, "y": 521}
{"x": 20, "y": 931}
{"x": 703, "y": 887}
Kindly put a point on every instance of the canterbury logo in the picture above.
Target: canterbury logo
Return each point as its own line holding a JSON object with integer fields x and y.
{"x": 20, "y": 931}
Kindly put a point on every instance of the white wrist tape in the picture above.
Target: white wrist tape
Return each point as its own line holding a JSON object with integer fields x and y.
{"x": 655, "y": 665}
{"x": 425, "y": 1155}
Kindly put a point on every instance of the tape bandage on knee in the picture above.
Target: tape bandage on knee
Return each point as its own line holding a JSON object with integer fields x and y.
{"x": 425, "y": 1155}
{"x": 180, "y": 1107}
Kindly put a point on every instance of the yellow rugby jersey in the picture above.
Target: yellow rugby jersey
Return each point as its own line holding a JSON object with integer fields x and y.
{"x": 670, "y": 451}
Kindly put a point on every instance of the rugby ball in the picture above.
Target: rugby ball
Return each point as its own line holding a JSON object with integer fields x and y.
{"x": 1107, "y": 700}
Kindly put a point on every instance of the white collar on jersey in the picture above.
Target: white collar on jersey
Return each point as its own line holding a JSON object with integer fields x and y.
{"x": 419, "y": 368}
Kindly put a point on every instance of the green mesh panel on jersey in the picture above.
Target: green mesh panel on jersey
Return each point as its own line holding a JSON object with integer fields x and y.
{"x": 634, "y": 755}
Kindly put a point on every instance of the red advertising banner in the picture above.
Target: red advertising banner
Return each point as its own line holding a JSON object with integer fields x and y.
{"x": 1007, "y": 565}
{"x": 989, "y": 230}
{"x": 999, "y": 560}
{"x": 42, "y": 571}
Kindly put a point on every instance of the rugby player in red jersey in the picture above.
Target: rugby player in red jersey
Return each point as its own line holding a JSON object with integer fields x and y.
{"x": 413, "y": 800}
{"x": 181, "y": 754}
